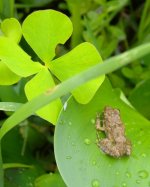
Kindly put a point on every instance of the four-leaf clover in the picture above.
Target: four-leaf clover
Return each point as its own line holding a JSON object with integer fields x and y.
{"x": 43, "y": 30}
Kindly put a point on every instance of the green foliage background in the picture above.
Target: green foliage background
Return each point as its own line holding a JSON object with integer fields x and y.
{"x": 65, "y": 85}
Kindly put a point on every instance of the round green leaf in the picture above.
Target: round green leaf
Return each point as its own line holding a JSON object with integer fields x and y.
{"x": 82, "y": 163}
{"x": 44, "y": 29}
{"x": 16, "y": 59}
{"x": 12, "y": 29}
{"x": 140, "y": 98}
{"x": 7, "y": 76}
{"x": 49, "y": 180}
{"x": 79, "y": 59}
{"x": 36, "y": 86}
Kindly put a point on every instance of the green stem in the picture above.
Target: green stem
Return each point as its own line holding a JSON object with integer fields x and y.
{"x": 76, "y": 37}
{"x": 1, "y": 170}
{"x": 50, "y": 95}
{"x": 6, "y": 8}
{"x": 143, "y": 19}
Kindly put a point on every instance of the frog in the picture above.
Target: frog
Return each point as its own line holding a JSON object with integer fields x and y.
{"x": 115, "y": 143}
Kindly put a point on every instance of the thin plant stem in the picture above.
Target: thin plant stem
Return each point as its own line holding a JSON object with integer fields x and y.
{"x": 50, "y": 95}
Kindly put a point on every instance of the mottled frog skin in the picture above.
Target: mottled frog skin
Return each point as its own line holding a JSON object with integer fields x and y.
{"x": 115, "y": 144}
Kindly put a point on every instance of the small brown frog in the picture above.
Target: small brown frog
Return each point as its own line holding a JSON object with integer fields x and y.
{"x": 115, "y": 144}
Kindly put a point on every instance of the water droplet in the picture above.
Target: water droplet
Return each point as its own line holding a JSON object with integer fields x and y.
{"x": 139, "y": 142}
{"x": 143, "y": 174}
{"x": 94, "y": 162}
{"x": 73, "y": 144}
{"x": 87, "y": 141}
{"x": 117, "y": 173}
{"x": 93, "y": 121}
{"x": 138, "y": 181}
{"x": 70, "y": 123}
{"x": 65, "y": 106}
{"x": 68, "y": 157}
{"x": 128, "y": 174}
{"x": 95, "y": 183}
{"x": 61, "y": 122}
{"x": 109, "y": 165}
{"x": 124, "y": 184}
{"x": 143, "y": 155}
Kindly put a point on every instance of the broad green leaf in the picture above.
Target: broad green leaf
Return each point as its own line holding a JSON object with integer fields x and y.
{"x": 140, "y": 98}
{"x": 16, "y": 59}
{"x": 49, "y": 180}
{"x": 79, "y": 59}
{"x": 21, "y": 177}
{"x": 82, "y": 163}
{"x": 12, "y": 29}
{"x": 23, "y": 174}
{"x": 37, "y": 85}
{"x": 7, "y": 76}
{"x": 44, "y": 29}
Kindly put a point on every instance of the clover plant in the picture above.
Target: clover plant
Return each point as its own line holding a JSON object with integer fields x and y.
{"x": 44, "y": 30}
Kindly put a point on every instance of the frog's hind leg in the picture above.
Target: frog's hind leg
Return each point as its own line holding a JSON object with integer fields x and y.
{"x": 109, "y": 148}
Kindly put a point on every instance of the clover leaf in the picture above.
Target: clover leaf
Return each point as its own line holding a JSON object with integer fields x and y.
{"x": 44, "y": 30}
{"x": 10, "y": 28}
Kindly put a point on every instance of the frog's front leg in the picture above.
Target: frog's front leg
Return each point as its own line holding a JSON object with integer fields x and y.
{"x": 98, "y": 123}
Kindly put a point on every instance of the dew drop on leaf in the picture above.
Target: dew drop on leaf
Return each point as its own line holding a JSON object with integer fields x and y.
{"x": 68, "y": 157}
{"x": 61, "y": 122}
{"x": 138, "y": 181}
{"x": 117, "y": 173}
{"x": 143, "y": 174}
{"x": 128, "y": 174}
{"x": 87, "y": 141}
{"x": 139, "y": 142}
{"x": 95, "y": 183}
{"x": 143, "y": 155}
{"x": 124, "y": 184}
{"x": 73, "y": 144}
{"x": 65, "y": 106}
{"x": 94, "y": 163}
{"x": 93, "y": 121}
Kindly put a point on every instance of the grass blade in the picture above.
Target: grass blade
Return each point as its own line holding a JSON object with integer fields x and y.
{"x": 108, "y": 66}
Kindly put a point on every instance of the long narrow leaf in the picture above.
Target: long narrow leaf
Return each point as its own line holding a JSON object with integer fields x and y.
{"x": 9, "y": 106}
{"x": 100, "y": 69}
{"x": 1, "y": 170}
